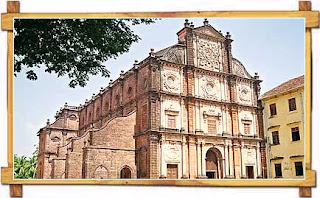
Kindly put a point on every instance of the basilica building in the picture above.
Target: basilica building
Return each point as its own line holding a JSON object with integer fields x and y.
{"x": 189, "y": 111}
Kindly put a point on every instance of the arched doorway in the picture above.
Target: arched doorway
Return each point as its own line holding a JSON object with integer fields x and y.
{"x": 101, "y": 172}
{"x": 213, "y": 164}
{"x": 125, "y": 173}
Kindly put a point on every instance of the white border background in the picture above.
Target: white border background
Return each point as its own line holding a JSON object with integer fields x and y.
{"x": 160, "y": 5}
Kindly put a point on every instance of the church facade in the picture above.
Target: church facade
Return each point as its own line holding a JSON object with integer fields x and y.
{"x": 189, "y": 111}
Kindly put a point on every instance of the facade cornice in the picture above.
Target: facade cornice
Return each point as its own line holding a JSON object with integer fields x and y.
{"x": 195, "y": 98}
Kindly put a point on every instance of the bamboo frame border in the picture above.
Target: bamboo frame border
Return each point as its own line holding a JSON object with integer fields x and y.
{"x": 312, "y": 21}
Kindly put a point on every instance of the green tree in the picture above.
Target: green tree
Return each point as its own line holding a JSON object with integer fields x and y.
{"x": 26, "y": 168}
{"x": 73, "y": 47}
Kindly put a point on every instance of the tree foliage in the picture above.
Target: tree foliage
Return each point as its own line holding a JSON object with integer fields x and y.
{"x": 26, "y": 168}
{"x": 73, "y": 47}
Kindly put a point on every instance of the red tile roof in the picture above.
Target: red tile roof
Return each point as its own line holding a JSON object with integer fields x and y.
{"x": 286, "y": 86}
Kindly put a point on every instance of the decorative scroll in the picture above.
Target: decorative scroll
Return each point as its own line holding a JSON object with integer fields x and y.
{"x": 238, "y": 69}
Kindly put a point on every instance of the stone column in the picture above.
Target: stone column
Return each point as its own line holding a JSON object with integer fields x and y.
{"x": 154, "y": 163}
{"x": 258, "y": 160}
{"x": 197, "y": 116}
{"x": 223, "y": 168}
{"x": 198, "y": 159}
{"x": 226, "y": 159}
{"x": 203, "y": 159}
{"x": 231, "y": 160}
{"x": 219, "y": 169}
{"x": 185, "y": 160}
{"x": 243, "y": 170}
{"x": 162, "y": 161}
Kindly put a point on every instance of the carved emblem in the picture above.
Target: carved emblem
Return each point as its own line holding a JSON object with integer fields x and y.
{"x": 244, "y": 94}
{"x": 172, "y": 153}
{"x": 246, "y": 117}
{"x": 249, "y": 157}
{"x": 209, "y": 54}
{"x": 209, "y": 88}
{"x": 171, "y": 81}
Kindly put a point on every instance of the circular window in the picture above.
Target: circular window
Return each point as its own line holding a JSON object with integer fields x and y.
{"x": 73, "y": 117}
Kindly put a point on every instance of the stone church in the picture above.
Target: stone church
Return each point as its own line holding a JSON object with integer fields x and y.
{"x": 189, "y": 111}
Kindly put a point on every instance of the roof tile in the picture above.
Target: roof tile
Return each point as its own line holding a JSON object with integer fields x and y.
{"x": 286, "y": 86}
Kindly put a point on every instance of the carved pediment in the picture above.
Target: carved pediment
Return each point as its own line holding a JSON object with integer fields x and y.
{"x": 171, "y": 109}
{"x": 211, "y": 113}
{"x": 209, "y": 31}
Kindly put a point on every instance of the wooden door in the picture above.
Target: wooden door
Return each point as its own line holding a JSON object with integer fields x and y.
{"x": 172, "y": 171}
{"x": 125, "y": 173}
{"x": 250, "y": 173}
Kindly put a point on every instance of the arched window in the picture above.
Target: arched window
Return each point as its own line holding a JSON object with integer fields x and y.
{"x": 90, "y": 117}
{"x": 101, "y": 172}
{"x": 145, "y": 83}
{"x": 55, "y": 139}
{"x": 117, "y": 101}
{"x": 129, "y": 90}
{"x": 107, "y": 106}
{"x": 73, "y": 117}
{"x": 97, "y": 112}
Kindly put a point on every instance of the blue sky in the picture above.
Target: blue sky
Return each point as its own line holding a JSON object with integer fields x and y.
{"x": 272, "y": 47}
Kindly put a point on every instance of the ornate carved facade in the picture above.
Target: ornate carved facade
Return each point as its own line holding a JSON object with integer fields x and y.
{"x": 188, "y": 111}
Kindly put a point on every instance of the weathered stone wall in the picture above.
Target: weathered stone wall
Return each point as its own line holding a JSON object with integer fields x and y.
{"x": 58, "y": 168}
{"x": 117, "y": 133}
{"x": 108, "y": 161}
{"x": 74, "y": 157}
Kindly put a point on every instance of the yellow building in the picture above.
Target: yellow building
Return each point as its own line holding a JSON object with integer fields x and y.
{"x": 284, "y": 129}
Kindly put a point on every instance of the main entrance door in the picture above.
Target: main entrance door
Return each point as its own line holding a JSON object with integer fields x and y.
{"x": 172, "y": 171}
{"x": 213, "y": 164}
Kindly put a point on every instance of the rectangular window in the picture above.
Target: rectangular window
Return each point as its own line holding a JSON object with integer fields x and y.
{"x": 295, "y": 134}
{"x": 275, "y": 138}
{"x": 247, "y": 128}
{"x": 299, "y": 168}
{"x": 212, "y": 126}
{"x": 278, "y": 170}
{"x": 273, "y": 109}
{"x": 171, "y": 121}
{"x": 292, "y": 104}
